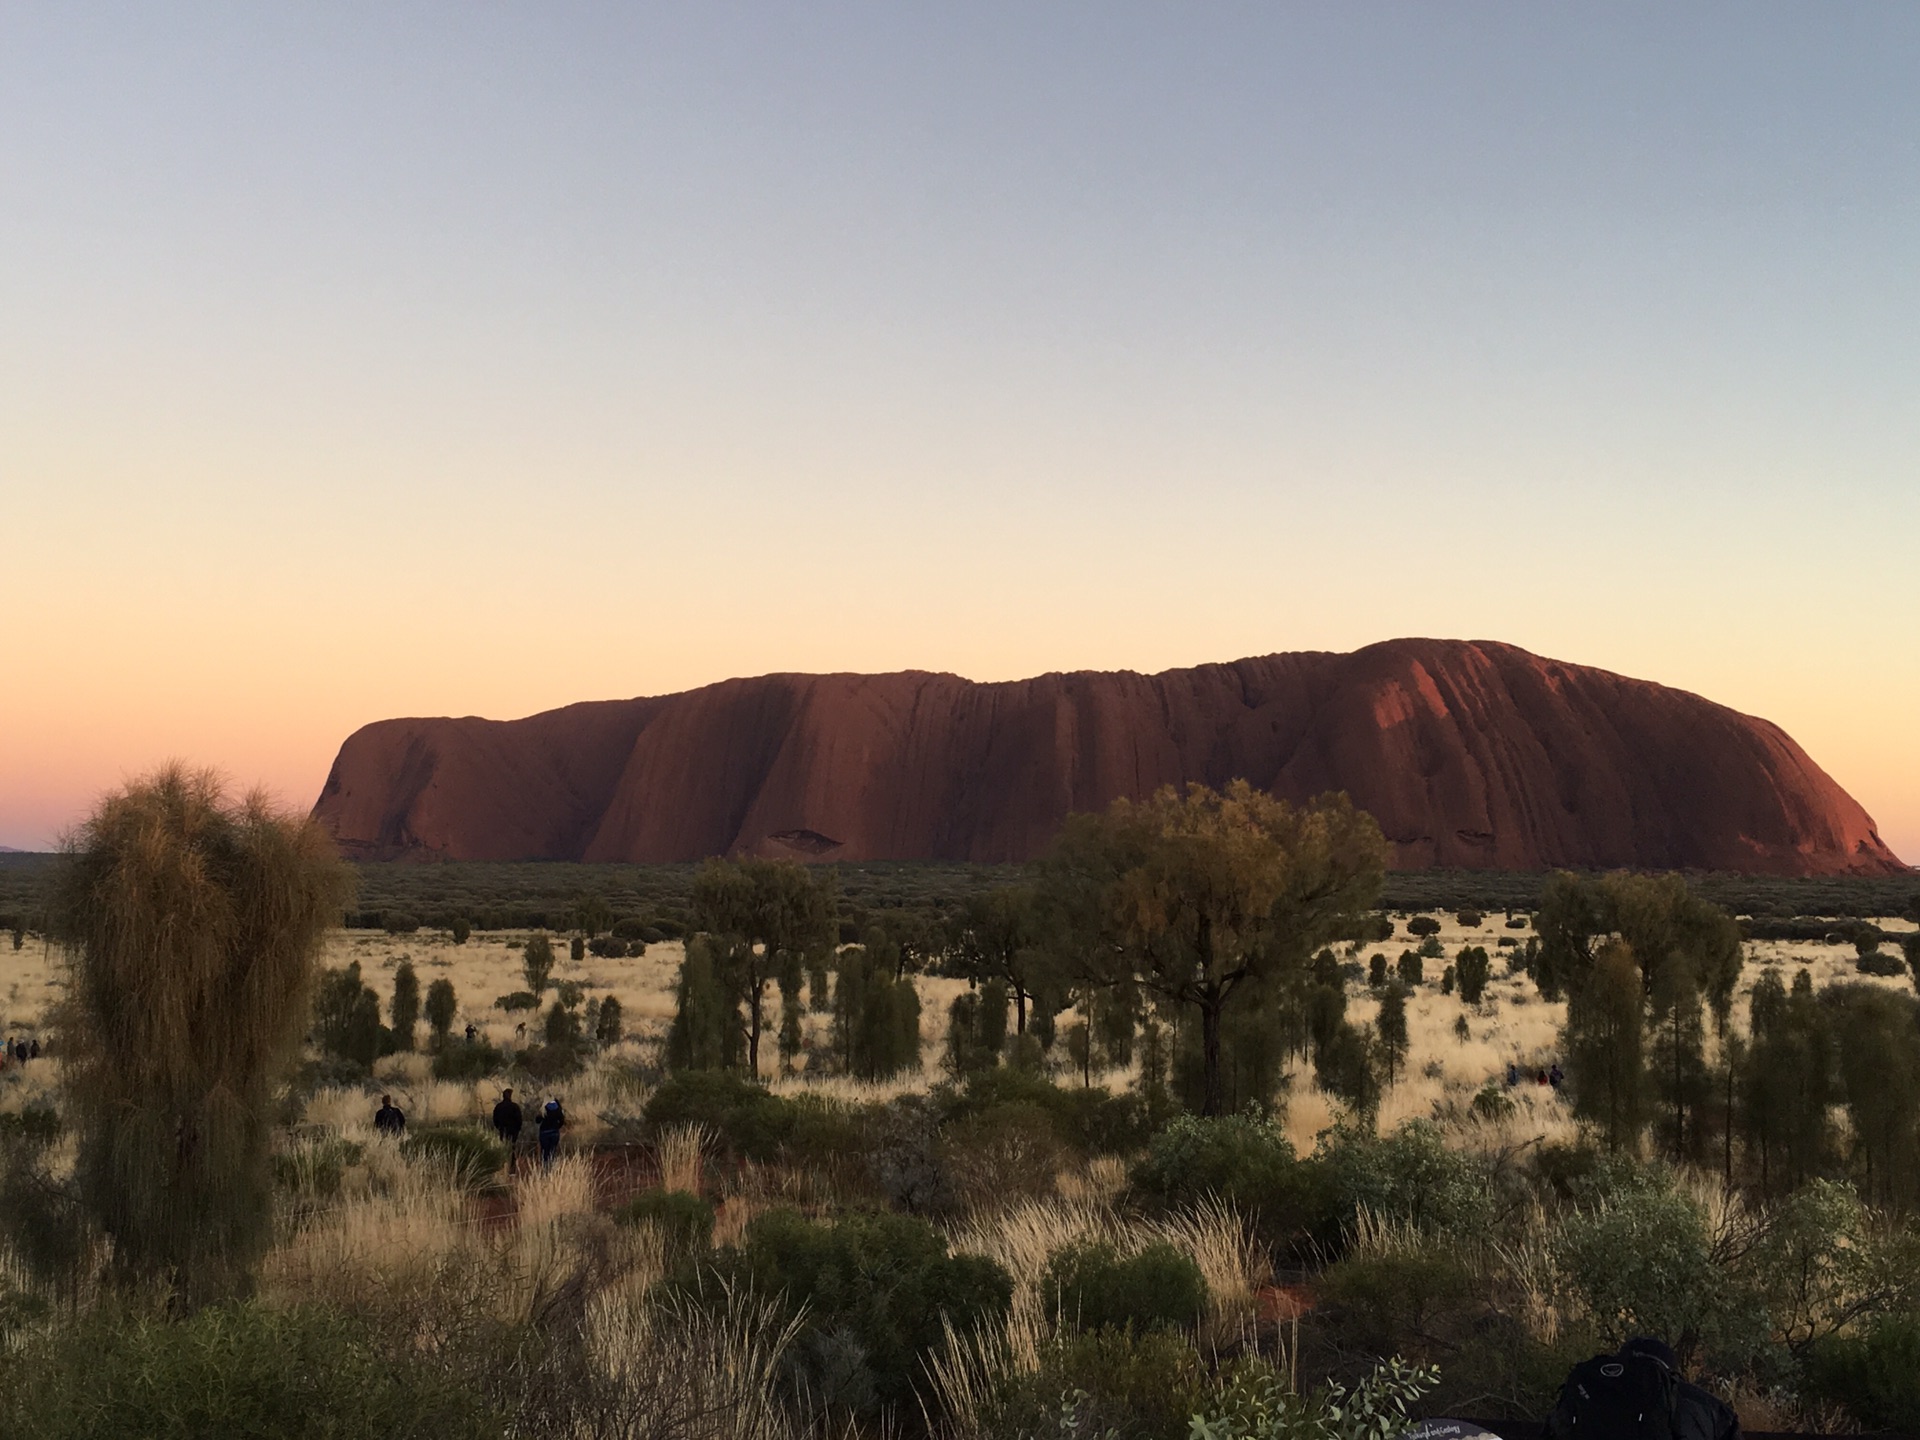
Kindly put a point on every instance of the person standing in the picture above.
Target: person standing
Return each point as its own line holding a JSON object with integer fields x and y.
{"x": 389, "y": 1119}
{"x": 507, "y": 1120}
{"x": 552, "y": 1121}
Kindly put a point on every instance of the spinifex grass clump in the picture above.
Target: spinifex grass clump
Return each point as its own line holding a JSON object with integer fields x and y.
{"x": 191, "y": 926}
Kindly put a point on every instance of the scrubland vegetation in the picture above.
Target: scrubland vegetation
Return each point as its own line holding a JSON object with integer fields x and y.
{"x": 1189, "y": 1130}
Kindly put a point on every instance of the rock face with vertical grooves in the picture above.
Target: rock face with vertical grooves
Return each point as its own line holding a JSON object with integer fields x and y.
{"x": 1471, "y": 754}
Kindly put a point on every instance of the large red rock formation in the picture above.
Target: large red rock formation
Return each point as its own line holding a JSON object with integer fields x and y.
{"x": 1470, "y": 754}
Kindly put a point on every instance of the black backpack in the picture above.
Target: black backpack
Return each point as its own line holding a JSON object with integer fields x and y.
{"x": 1616, "y": 1397}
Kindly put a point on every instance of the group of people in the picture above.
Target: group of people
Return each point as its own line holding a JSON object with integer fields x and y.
{"x": 508, "y": 1121}
{"x": 19, "y": 1050}
{"x": 1554, "y": 1076}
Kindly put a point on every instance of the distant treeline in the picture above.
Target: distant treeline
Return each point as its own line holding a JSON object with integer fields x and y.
{"x": 654, "y": 900}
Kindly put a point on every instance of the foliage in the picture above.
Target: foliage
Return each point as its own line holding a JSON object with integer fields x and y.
{"x": 1471, "y": 970}
{"x": 1410, "y": 1176}
{"x": 1421, "y": 926}
{"x": 517, "y": 1000}
{"x": 405, "y": 1006}
{"x": 536, "y": 964}
{"x": 874, "y": 1295}
{"x": 192, "y": 926}
{"x": 441, "y": 1008}
{"x": 608, "y": 1024}
{"x": 1245, "y": 1160}
{"x": 1105, "y": 1385}
{"x": 1605, "y": 1047}
{"x": 231, "y": 1370}
{"x": 1192, "y": 897}
{"x": 1257, "y": 1404}
{"x": 684, "y": 1219}
{"x": 876, "y": 1017}
{"x": 346, "y": 1015}
{"x": 467, "y": 1060}
{"x": 1093, "y": 1286}
{"x": 1874, "y": 1373}
{"x": 468, "y": 1154}
{"x": 705, "y": 1034}
{"x": 763, "y": 918}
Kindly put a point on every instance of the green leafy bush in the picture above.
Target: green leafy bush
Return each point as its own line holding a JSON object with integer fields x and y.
{"x": 470, "y": 1155}
{"x": 874, "y": 1294}
{"x": 1380, "y": 1303}
{"x": 1243, "y": 1159}
{"x": 302, "y": 1374}
{"x": 467, "y": 1060}
{"x": 1874, "y": 1373}
{"x": 517, "y": 1000}
{"x": 1257, "y": 1403}
{"x": 1410, "y": 1175}
{"x": 1095, "y": 1287}
{"x": 685, "y": 1219}
{"x": 1879, "y": 962}
{"x": 1109, "y": 1384}
{"x": 1423, "y": 925}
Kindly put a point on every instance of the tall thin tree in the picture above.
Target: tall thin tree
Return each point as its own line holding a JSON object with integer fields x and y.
{"x": 192, "y": 926}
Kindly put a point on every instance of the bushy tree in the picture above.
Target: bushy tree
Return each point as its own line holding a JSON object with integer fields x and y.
{"x": 1193, "y": 897}
{"x": 346, "y": 1014}
{"x": 607, "y": 1026}
{"x": 1391, "y": 1026}
{"x": 460, "y": 929}
{"x": 1605, "y": 1047}
{"x": 706, "y": 1032}
{"x": 876, "y": 1017}
{"x": 192, "y": 926}
{"x": 1411, "y": 968}
{"x": 405, "y": 1006}
{"x": 764, "y": 918}
{"x": 1422, "y": 926}
{"x": 537, "y": 964}
{"x": 998, "y": 935}
{"x": 1377, "y": 971}
{"x": 1471, "y": 970}
{"x": 441, "y": 1008}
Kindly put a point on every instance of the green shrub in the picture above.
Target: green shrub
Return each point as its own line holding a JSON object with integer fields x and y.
{"x": 1377, "y": 970}
{"x": 607, "y": 947}
{"x": 467, "y": 1060}
{"x": 1090, "y": 1118}
{"x": 1109, "y": 1384}
{"x": 749, "y": 1120}
{"x": 37, "y": 1124}
{"x": 1423, "y": 926}
{"x": 1381, "y": 1303}
{"x": 1003, "y": 1153}
{"x": 398, "y": 922}
{"x": 472, "y": 1156}
{"x": 1470, "y": 919}
{"x": 517, "y": 1000}
{"x": 683, "y": 1218}
{"x": 231, "y": 1370}
{"x": 315, "y": 1170}
{"x": 1879, "y": 962}
{"x": 1875, "y": 1374}
{"x": 1411, "y": 1175}
{"x": 874, "y": 1294}
{"x": 1245, "y": 1160}
{"x": 1093, "y": 1286}
{"x": 460, "y": 928}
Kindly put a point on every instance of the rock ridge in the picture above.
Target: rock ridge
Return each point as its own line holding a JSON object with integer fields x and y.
{"x": 1473, "y": 754}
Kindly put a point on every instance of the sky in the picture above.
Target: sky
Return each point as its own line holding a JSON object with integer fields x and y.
{"x": 364, "y": 360}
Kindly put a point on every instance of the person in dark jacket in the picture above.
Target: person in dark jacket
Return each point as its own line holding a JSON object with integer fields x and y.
{"x": 389, "y": 1119}
{"x": 552, "y": 1121}
{"x": 507, "y": 1120}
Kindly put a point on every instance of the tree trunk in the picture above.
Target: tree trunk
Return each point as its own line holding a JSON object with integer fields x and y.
{"x": 1019, "y": 1009}
{"x": 1210, "y": 1057}
{"x": 753, "y": 1029}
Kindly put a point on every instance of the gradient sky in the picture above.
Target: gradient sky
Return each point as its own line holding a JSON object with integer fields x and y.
{"x": 366, "y": 359}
